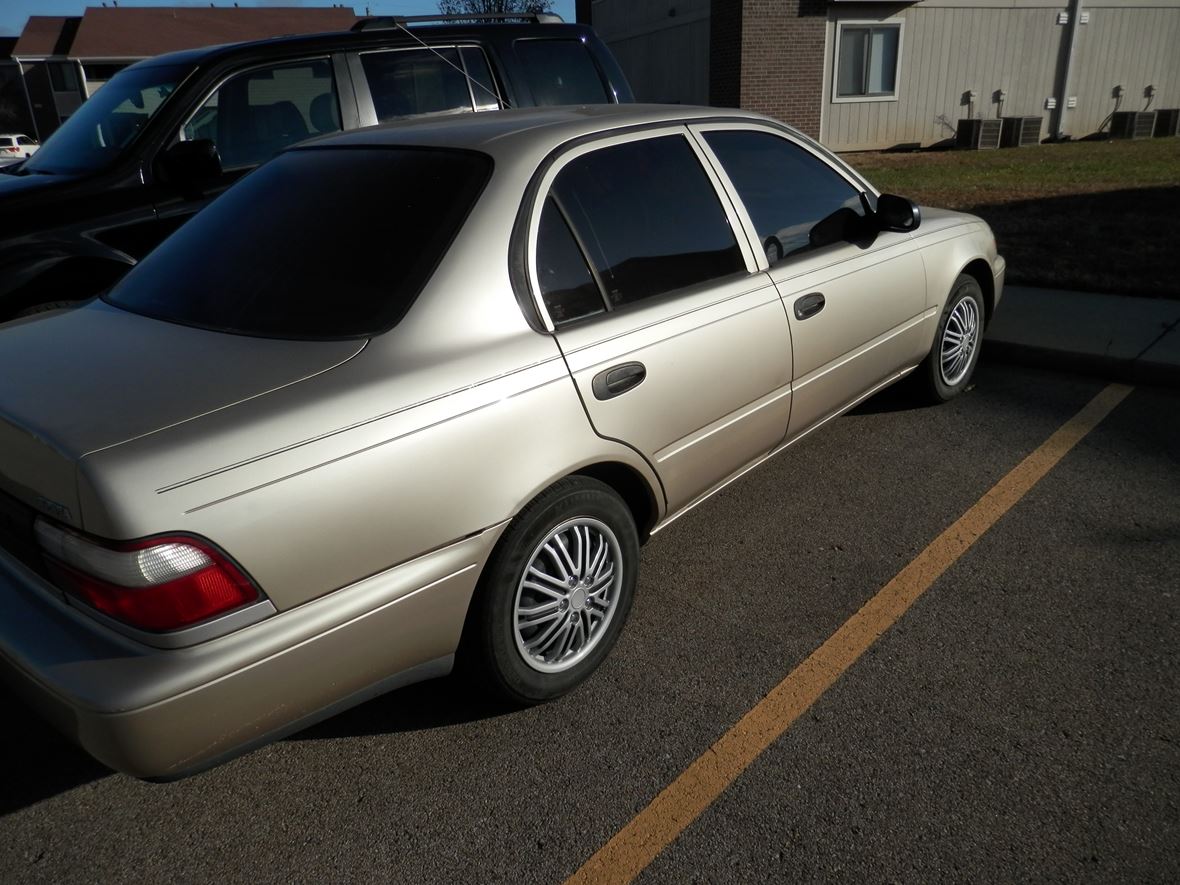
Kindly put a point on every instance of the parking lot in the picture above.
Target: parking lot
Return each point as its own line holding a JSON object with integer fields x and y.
{"x": 1018, "y": 721}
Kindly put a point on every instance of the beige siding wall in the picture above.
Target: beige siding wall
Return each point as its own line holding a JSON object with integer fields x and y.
{"x": 983, "y": 46}
{"x": 1132, "y": 48}
{"x": 945, "y": 53}
{"x": 666, "y": 58}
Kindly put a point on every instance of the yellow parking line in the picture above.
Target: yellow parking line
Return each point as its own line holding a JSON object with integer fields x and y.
{"x": 635, "y": 846}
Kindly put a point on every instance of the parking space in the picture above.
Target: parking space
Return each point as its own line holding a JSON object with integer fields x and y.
{"x": 1018, "y": 721}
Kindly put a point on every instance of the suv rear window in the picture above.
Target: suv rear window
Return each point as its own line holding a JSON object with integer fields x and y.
{"x": 561, "y": 72}
{"x": 317, "y": 244}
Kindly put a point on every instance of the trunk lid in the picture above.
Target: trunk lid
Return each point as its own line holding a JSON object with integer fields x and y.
{"x": 88, "y": 379}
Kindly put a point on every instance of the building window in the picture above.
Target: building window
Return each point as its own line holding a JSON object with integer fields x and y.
{"x": 867, "y": 61}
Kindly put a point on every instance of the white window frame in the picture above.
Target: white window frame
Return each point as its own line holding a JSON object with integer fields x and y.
{"x": 866, "y": 23}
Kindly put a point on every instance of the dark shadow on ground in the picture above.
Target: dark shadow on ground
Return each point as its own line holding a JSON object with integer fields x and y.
{"x": 433, "y": 704}
{"x": 1120, "y": 241}
{"x": 36, "y": 762}
{"x": 904, "y": 396}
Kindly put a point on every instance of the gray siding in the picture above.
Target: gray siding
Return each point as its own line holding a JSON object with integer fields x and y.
{"x": 1132, "y": 48}
{"x": 951, "y": 47}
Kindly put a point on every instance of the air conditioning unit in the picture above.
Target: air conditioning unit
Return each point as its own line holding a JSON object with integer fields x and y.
{"x": 978, "y": 135}
{"x": 1167, "y": 122}
{"x": 1020, "y": 131}
{"x": 1132, "y": 124}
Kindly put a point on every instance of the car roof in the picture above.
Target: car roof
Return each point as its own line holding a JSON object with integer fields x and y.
{"x": 345, "y": 40}
{"x": 528, "y": 130}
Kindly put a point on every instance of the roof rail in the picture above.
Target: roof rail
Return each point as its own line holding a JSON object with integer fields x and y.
{"x": 380, "y": 22}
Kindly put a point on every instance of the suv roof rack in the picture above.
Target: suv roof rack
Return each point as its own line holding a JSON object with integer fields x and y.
{"x": 379, "y": 22}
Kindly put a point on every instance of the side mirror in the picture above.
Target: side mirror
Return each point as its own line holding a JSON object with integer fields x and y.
{"x": 897, "y": 213}
{"x": 189, "y": 166}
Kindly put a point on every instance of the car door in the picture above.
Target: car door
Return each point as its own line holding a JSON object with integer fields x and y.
{"x": 250, "y": 116}
{"x": 678, "y": 346}
{"x": 855, "y": 295}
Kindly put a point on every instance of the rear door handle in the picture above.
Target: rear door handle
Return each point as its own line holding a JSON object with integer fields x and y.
{"x": 618, "y": 379}
{"x": 809, "y": 305}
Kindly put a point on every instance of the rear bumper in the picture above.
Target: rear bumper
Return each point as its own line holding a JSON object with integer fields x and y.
{"x": 164, "y": 713}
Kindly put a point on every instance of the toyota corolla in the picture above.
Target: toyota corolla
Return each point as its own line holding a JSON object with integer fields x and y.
{"x": 413, "y": 397}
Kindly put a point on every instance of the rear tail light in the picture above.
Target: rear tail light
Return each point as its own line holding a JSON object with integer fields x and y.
{"x": 156, "y": 584}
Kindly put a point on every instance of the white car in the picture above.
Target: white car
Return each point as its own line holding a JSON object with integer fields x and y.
{"x": 14, "y": 148}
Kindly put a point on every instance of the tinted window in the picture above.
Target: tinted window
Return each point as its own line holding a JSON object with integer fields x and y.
{"x": 868, "y": 60}
{"x": 649, "y": 218}
{"x": 316, "y": 244}
{"x": 567, "y": 285}
{"x": 561, "y": 72}
{"x": 106, "y": 121}
{"x": 408, "y": 82}
{"x": 787, "y": 190}
{"x": 483, "y": 88}
{"x": 254, "y": 115}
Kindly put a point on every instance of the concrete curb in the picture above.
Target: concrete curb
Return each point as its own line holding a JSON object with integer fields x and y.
{"x": 1130, "y": 371}
{"x": 1120, "y": 337}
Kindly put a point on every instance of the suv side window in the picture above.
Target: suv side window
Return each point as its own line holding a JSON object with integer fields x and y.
{"x": 787, "y": 191}
{"x": 255, "y": 114}
{"x": 413, "y": 82}
{"x": 561, "y": 72}
{"x": 647, "y": 217}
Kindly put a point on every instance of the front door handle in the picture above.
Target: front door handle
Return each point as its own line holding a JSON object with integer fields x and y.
{"x": 809, "y": 305}
{"x": 618, "y": 379}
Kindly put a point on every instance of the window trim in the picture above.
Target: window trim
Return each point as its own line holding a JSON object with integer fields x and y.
{"x": 897, "y": 23}
{"x": 545, "y": 186}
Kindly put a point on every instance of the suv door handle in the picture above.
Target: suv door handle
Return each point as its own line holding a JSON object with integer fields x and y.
{"x": 618, "y": 379}
{"x": 809, "y": 305}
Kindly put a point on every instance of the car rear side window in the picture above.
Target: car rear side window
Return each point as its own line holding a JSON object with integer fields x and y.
{"x": 648, "y": 217}
{"x": 567, "y": 286}
{"x": 319, "y": 243}
{"x": 414, "y": 82}
{"x": 561, "y": 72}
{"x": 786, "y": 189}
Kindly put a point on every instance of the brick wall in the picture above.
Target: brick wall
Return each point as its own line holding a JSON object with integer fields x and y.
{"x": 768, "y": 56}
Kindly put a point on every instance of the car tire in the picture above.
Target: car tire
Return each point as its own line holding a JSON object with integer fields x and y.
{"x": 542, "y": 619}
{"x": 947, "y": 369}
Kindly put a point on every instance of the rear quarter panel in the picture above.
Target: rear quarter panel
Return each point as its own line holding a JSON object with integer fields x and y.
{"x": 442, "y": 427}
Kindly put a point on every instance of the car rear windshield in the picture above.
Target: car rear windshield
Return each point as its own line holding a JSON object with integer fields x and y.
{"x": 319, "y": 243}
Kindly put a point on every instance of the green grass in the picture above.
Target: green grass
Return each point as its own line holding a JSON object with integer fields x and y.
{"x": 1098, "y": 216}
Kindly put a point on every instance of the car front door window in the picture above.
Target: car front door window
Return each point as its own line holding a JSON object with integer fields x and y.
{"x": 796, "y": 201}
{"x": 254, "y": 115}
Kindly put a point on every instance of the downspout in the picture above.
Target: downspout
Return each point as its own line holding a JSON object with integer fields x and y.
{"x": 1075, "y": 22}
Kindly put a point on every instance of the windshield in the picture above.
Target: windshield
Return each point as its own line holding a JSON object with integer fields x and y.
{"x": 317, "y": 244}
{"x": 106, "y": 122}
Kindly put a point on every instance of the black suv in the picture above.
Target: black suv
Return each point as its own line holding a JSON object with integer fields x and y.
{"x": 164, "y": 136}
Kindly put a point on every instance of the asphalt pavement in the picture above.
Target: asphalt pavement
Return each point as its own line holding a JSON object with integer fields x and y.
{"x": 1018, "y": 722}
